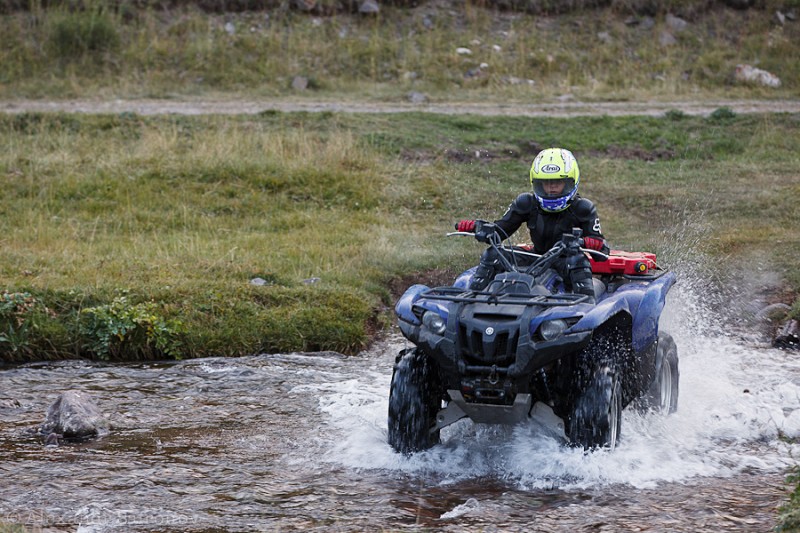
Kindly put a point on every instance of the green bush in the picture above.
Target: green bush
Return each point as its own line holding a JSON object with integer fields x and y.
{"x": 789, "y": 514}
{"x": 81, "y": 33}
{"x": 124, "y": 330}
{"x": 15, "y": 324}
{"x": 675, "y": 115}
{"x": 31, "y": 330}
{"x": 722, "y": 114}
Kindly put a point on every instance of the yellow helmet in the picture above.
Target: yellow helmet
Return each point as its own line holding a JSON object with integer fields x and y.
{"x": 554, "y": 178}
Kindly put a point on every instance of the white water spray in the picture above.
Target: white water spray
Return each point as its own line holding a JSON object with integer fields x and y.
{"x": 736, "y": 403}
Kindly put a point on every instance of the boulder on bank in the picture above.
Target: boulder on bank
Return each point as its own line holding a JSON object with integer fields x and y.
{"x": 73, "y": 416}
{"x": 750, "y": 74}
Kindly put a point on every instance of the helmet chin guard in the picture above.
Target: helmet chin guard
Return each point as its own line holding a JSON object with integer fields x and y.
{"x": 556, "y": 204}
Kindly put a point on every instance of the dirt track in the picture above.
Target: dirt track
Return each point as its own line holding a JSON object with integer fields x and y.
{"x": 555, "y": 109}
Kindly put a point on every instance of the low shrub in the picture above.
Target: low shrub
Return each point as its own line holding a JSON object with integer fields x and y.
{"x": 75, "y": 34}
{"x": 122, "y": 329}
{"x": 15, "y": 323}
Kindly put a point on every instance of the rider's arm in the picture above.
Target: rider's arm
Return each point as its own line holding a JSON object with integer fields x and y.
{"x": 590, "y": 224}
{"x": 517, "y": 214}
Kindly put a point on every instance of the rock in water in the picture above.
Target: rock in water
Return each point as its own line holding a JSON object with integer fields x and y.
{"x": 789, "y": 336}
{"x": 74, "y": 416}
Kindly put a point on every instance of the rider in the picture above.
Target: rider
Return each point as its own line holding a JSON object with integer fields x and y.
{"x": 554, "y": 208}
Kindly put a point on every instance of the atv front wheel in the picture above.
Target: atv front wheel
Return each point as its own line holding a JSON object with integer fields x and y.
{"x": 596, "y": 420}
{"x": 414, "y": 400}
{"x": 662, "y": 396}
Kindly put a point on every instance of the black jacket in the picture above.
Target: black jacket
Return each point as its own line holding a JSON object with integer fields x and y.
{"x": 546, "y": 228}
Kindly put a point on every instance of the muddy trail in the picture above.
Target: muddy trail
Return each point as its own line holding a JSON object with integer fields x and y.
{"x": 565, "y": 108}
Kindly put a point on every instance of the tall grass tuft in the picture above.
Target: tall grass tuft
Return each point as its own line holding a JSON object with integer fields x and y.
{"x": 75, "y": 34}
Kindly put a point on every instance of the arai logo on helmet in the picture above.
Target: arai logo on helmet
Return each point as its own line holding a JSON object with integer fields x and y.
{"x": 551, "y": 169}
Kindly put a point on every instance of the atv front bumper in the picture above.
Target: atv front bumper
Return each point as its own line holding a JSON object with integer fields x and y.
{"x": 530, "y": 355}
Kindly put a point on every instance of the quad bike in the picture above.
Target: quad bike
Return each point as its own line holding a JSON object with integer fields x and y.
{"x": 526, "y": 348}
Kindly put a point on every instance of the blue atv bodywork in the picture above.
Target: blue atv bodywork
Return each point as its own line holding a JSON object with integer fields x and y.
{"x": 518, "y": 348}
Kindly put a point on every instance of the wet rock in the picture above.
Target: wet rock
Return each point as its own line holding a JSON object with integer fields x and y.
{"x": 469, "y": 507}
{"x": 750, "y": 74}
{"x": 73, "y": 416}
{"x": 788, "y": 337}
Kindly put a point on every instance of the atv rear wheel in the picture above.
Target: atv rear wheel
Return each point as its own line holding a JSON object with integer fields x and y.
{"x": 662, "y": 396}
{"x": 596, "y": 420}
{"x": 414, "y": 400}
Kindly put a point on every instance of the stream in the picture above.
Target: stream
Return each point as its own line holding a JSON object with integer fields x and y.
{"x": 298, "y": 442}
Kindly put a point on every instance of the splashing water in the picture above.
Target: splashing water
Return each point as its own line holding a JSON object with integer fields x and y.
{"x": 299, "y": 441}
{"x": 736, "y": 403}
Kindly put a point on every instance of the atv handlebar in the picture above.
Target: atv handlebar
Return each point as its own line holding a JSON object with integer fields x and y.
{"x": 488, "y": 232}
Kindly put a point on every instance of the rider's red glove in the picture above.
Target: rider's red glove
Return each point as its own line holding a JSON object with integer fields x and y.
{"x": 466, "y": 226}
{"x": 592, "y": 243}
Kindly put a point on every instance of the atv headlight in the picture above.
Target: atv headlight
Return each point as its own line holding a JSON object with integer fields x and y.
{"x": 434, "y": 322}
{"x": 552, "y": 329}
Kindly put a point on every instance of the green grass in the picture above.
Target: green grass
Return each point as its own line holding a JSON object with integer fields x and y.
{"x": 174, "y": 216}
{"x": 104, "y": 52}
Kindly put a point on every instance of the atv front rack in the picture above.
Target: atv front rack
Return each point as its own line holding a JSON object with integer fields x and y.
{"x": 455, "y": 294}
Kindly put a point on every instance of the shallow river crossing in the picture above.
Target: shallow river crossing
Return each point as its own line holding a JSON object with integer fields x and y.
{"x": 298, "y": 442}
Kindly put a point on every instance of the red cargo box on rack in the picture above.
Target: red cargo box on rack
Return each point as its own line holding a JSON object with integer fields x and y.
{"x": 619, "y": 262}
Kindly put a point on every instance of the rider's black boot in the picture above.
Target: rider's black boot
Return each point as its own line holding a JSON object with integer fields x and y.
{"x": 580, "y": 275}
{"x": 486, "y": 271}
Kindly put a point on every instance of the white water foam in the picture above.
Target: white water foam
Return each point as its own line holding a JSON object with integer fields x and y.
{"x": 736, "y": 402}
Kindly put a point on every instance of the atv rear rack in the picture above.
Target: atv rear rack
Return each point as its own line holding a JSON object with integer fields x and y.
{"x": 455, "y": 294}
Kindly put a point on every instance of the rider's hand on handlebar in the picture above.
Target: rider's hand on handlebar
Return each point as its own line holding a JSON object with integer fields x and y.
{"x": 467, "y": 226}
{"x": 484, "y": 231}
{"x": 593, "y": 243}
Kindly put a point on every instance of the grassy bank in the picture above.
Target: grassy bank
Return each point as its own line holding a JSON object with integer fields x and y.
{"x": 607, "y": 53}
{"x": 131, "y": 237}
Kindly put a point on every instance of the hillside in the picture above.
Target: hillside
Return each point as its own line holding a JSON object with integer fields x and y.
{"x": 431, "y": 52}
